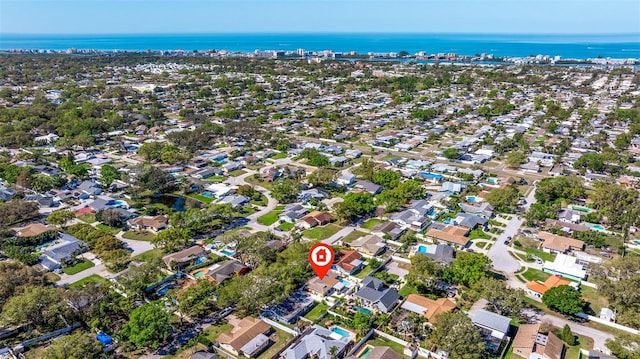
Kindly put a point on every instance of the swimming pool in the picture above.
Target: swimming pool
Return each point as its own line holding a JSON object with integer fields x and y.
{"x": 208, "y": 194}
{"x": 362, "y": 310}
{"x": 597, "y": 227}
{"x": 365, "y": 353}
{"x": 345, "y": 282}
{"x": 200, "y": 260}
{"x": 121, "y": 204}
{"x": 199, "y": 274}
{"x": 582, "y": 209}
{"x": 492, "y": 180}
{"x": 227, "y": 252}
{"x": 447, "y": 221}
{"x": 422, "y": 249}
{"x": 472, "y": 199}
{"x": 341, "y": 332}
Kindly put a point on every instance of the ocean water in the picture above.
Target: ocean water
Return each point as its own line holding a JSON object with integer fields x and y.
{"x": 567, "y": 46}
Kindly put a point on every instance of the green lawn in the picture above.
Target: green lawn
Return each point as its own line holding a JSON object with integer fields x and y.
{"x": 201, "y": 198}
{"x": 139, "y": 235}
{"x": 596, "y": 301}
{"x": 363, "y": 272}
{"x": 478, "y": 234}
{"x": 111, "y": 230}
{"x": 532, "y": 274}
{"x": 213, "y": 332}
{"x": 261, "y": 202}
{"x": 407, "y": 289}
{"x": 88, "y": 218}
{"x": 237, "y": 173}
{"x": 215, "y": 179}
{"x": 149, "y": 256}
{"x": 371, "y": 223}
{"x": 51, "y": 277}
{"x": 316, "y": 312}
{"x": 78, "y": 267}
{"x": 281, "y": 339}
{"x": 353, "y": 236}
{"x": 259, "y": 182}
{"x": 286, "y": 226}
{"x": 269, "y": 218}
{"x": 543, "y": 255}
{"x": 379, "y": 341}
{"x": 278, "y": 156}
{"x": 322, "y": 232}
{"x": 92, "y": 279}
{"x": 481, "y": 244}
{"x": 573, "y": 351}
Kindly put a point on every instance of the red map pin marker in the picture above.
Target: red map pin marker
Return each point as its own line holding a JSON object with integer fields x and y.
{"x": 321, "y": 258}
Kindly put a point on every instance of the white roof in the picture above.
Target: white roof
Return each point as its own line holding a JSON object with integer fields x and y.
{"x": 567, "y": 265}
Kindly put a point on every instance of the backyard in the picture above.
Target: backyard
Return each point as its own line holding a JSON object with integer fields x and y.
{"x": 201, "y": 198}
{"x": 280, "y": 339}
{"x": 379, "y": 341}
{"x": 353, "y": 236}
{"x": 322, "y": 232}
{"x": 111, "y": 230}
{"x": 316, "y": 312}
{"x": 532, "y": 274}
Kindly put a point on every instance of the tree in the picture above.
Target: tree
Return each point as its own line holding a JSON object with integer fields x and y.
{"x": 108, "y": 174}
{"x": 515, "y": 159}
{"x": 386, "y": 178}
{"x": 564, "y": 299}
{"x": 615, "y": 202}
{"x": 619, "y": 282}
{"x": 24, "y": 180}
{"x": 112, "y": 217}
{"x": 60, "y": 217}
{"x": 172, "y": 239}
{"x": 625, "y": 346}
{"x": 79, "y": 345}
{"x": 455, "y": 333}
{"x": 504, "y": 199}
{"x": 468, "y": 268}
{"x": 14, "y": 276}
{"x": 148, "y": 326}
{"x": 41, "y": 306}
{"x": 555, "y": 189}
{"x": 354, "y": 205}
{"x": 154, "y": 179}
{"x": 366, "y": 168}
{"x": 567, "y": 335}
{"x": 197, "y": 300}
{"x": 424, "y": 273}
{"x": 451, "y": 153}
{"x": 286, "y": 190}
{"x": 501, "y": 300}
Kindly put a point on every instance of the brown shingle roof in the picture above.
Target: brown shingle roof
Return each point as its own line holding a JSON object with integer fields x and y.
{"x": 247, "y": 329}
{"x": 434, "y": 307}
{"x": 453, "y": 234}
{"x": 559, "y": 243}
{"x": 33, "y": 229}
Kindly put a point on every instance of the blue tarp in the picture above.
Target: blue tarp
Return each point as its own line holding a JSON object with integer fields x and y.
{"x": 104, "y": 339}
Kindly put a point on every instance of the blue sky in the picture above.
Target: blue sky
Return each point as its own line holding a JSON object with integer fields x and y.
{"x": 256, "y": 16}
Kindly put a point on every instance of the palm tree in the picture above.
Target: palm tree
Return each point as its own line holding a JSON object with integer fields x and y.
{"x": 333, "y": 351}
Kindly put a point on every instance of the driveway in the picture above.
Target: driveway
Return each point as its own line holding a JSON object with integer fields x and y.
{"x": 85, "y": 273}
{"x": 339, "y": 235}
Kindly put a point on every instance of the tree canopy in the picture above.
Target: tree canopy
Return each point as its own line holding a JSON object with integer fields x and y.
{"x": 564, "y": 299}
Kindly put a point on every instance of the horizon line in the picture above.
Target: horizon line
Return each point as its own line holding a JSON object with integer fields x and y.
{"x": 324, "y": 33}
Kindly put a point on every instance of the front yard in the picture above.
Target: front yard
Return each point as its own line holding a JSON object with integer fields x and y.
{"x": 532, "y": 274}
{"x": 111, "y": 230}
{"x": 322, "y": 232}
{"x": 371, "y": 223}
{"x": 78, "y": 267}
{"x": 92, "y": 279}
{"x": 201, "y": 198}
{"x": 139, "y": 235}
{"x": 271, "y": 217}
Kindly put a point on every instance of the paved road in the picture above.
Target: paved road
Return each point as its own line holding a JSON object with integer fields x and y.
{"x": 271, "y": 202}
{"x": 498, "y": 253}
{"x": 599, "y": 337}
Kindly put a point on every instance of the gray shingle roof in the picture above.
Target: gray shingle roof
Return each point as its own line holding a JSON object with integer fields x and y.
{"x": 491, "y": 320}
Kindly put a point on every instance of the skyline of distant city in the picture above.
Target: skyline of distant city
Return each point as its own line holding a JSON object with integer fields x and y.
{"x": 323, "y": 16}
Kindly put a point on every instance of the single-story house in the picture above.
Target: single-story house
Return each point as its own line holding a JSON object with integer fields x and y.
{"x": 325, "y": 286}
{"x": 63, "y": 252}
{"x": 552, "y": 243}
{"x": 316, "y": 342}
{"x": 393, "y": 230}
{"x": 537, "y": 289}
{"x": 222, "y": 272}
{"x": 33, "y": 229}
{"x": 349, "y": 262}
{"x": 369, "y": 244}
{"x": 368, "y": 186}
{"x": 493, "y": 327}
{"x": 234, "y": 200}
{"x": 149, "y": 223}
{"x": 249, "y": 337}
{"x": 440, "y": 253}
{"x": 315, "y": 218}
{"x": 566, "y": 266}
{"x": 184, "y": 257}
{"x": 455, "y": 235}
{"x": 426, "y": 307}
{"x": 292, "y": 213}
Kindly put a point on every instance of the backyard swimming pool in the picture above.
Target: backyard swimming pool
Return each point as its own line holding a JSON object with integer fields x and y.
{"x": 362, "y": 310}
{"x": 582, "y": 209}
{"x": 121, "y": 204}
{"x": 208, "y": 194}
{"x": 473, "y": 199}
{"x": 341, "y": 332}
{"x": 365, "y": 353}
{"x": 597, "y": 227}
{"x": 345, "y": 282}
{"x": 227, "y": 252}
{"x": 200, "y": 260}
{"x": 422, "y": 249}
